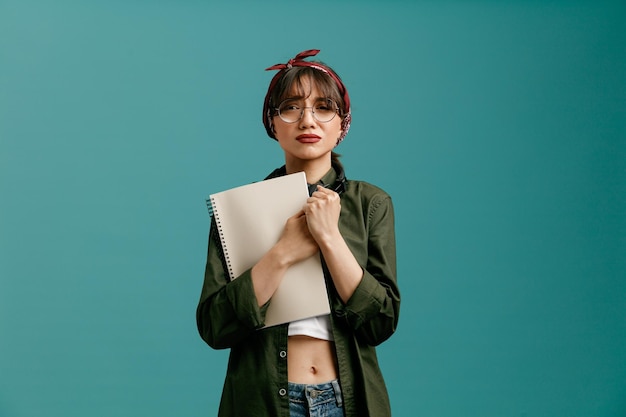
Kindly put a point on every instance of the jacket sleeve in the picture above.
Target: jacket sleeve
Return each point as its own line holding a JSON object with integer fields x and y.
{"x": 227, "y": 311}
{"x": 373, "y": 310}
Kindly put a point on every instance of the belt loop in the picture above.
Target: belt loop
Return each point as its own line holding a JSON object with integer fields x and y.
{"x": 337, "y": 389}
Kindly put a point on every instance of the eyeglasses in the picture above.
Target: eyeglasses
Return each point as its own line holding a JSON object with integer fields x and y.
{"x": 291, "y": 110}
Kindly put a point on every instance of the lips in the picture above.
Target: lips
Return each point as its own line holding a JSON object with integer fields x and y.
{"x": 308, "y": 138}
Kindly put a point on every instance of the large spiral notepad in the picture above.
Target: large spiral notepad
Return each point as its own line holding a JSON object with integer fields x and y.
{"x": 250, "y": 220}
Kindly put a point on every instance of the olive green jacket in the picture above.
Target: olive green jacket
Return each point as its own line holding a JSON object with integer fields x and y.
{"x": 228, "y": 316}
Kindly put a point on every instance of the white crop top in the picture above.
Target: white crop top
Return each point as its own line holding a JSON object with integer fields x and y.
{"x": 317, "y": 327}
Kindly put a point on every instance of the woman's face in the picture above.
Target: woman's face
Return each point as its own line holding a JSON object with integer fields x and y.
{"x": 308, "y": 139}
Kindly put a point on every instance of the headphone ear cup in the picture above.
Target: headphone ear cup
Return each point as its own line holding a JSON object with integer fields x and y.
{"x": 345, "y": 126}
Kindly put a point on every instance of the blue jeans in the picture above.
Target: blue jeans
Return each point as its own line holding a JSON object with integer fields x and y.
{"x": 323, "y": 400}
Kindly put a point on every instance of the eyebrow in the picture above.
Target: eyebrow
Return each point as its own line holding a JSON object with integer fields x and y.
{"x": 303, "y": 97}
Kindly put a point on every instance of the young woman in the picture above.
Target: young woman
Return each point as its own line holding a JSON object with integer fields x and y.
{"x": 327, "y": 365}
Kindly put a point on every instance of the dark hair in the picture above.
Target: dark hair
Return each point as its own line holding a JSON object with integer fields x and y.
{"x": 292, "y": 81}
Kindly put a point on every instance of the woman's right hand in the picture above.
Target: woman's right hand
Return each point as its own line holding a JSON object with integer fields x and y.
{"x": 294, "y": 245}
{"x": 296, "y": 241}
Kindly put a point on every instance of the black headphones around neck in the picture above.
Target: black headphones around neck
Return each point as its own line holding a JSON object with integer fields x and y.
{"x": 340, "y": 185}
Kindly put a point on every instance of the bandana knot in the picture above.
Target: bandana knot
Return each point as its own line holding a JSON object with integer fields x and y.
{"x": 297, "y": 61}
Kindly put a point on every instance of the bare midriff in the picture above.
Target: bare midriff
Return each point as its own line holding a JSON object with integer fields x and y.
{"x": 310, "y": 360}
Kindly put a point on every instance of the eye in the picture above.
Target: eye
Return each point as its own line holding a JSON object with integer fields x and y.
{"x": 326, "y": 105}
{"x": 290, "y": 106}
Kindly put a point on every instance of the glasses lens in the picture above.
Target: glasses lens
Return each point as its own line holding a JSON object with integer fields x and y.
{"x": 291, "y": 111}
{"x": 325, "y": 110}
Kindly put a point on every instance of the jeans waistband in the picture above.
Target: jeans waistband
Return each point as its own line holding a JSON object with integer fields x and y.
{"x": 314, "y": 394}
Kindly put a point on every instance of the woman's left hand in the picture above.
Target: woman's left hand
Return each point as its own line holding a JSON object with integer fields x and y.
{"x": 322, "y": 211}
{"x": 322, "y": 216}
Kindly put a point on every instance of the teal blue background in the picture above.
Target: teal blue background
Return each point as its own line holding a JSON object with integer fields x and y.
{"x": 499, "y": 128}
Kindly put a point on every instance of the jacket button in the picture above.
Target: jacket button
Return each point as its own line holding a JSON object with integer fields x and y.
{"x": 283, "y": 354}
{"x": 282, "y": 392}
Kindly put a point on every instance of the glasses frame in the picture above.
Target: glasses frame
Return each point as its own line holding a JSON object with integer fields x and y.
{"x": 303, "y": 108}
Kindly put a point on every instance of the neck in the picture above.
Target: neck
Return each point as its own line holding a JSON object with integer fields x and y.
{"x": 314, "y": 170}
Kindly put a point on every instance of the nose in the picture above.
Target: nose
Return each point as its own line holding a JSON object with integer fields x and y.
{"x": 307, "y": 118}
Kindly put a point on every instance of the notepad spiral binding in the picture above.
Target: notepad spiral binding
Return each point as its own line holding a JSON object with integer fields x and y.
{"x": 209, "y": 207}
{"x": 213, "y": 212}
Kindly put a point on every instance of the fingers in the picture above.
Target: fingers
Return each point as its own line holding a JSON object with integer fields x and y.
{"x": 298, "y": 221}
{"x": 323, "y": 194}
{"x": 325, "y": 191}
{"x": 322, "y": 213}
{"x": 323, "y": 201}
